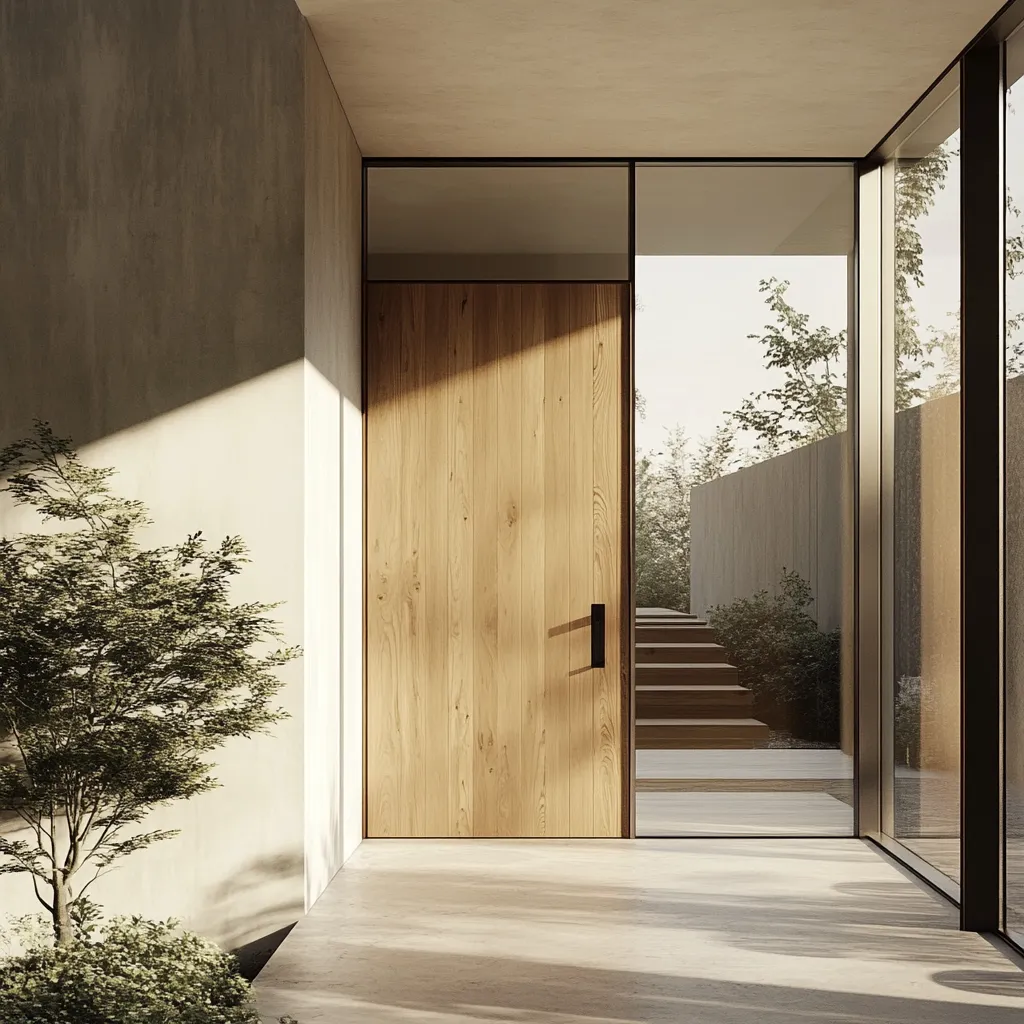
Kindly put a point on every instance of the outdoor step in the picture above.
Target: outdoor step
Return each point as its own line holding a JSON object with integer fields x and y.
{"x": 693, "y": 702}
{"x": 699, "y": 733}
{"x": 660, "y": 613}
{"x": 662, "y": 634}
{"x": 670, "y": 623}
{"x": 681, "y": 653}
{"x": 686, "y": 674}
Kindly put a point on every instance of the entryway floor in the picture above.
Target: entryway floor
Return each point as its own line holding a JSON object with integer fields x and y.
{"x": 694, "y": 931}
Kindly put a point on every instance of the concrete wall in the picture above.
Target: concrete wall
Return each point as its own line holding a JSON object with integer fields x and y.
{"x": 179, "y": 292}
{"x": 789, "y": 512}
{"x": 333, "y": 482}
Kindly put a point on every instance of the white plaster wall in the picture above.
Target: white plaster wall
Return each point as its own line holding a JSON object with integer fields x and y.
{"x": 333, "y": 483}
{"x": 227, "y": 464}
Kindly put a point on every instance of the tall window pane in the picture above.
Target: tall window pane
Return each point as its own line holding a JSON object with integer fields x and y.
{"x": 924, "y": 484}
{"x": 744, "y": 678}
{"x": 1014, "y": 759}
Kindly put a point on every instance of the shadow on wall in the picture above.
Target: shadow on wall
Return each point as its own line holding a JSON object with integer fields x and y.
{"x": 264, "y": 886}
{"x": 445, "y": 332}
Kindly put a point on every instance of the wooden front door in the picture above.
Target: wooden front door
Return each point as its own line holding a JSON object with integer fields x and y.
{"x": 494, "y": 520}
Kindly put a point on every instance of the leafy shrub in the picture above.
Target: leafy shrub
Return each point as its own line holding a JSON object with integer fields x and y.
{"x": 792, "y": 667}
{"x": 138, "y": 972}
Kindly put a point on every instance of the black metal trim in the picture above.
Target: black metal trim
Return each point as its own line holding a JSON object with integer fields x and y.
{"x": 499, "y": 281}
{"x": 853, "y": 425}
{"x": 982, "y": 245}
{"x": 916, "y": 865}
{"x": 604, "y": 161}
{"x": 364, "y": 390}
{"x": 627, "y": 647}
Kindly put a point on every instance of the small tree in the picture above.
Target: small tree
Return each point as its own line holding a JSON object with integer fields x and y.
{"x": 120, "y": 668}
{"x": 810, "y": 403}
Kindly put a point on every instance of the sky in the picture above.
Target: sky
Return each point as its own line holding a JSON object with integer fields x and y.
{"x": 694, "y": 361}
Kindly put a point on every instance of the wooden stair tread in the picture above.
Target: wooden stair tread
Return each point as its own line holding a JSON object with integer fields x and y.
{"x": 704, "y": 666}
{"x": 703, "y": 723}
{"x": 690, "y": 687}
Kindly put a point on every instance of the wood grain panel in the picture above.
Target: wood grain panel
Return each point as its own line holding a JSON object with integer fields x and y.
{"x": 509, "y": 442}
{"x": 557, "y": 617}
{"x": 383, "y": 542}
{"x": 411, "y": 513}
{"x": 607, "y": 511}
{"x": 582, "y": 743}
{"x": 435, "y": 563}
{"x": 486, "y": 699}
{"x": 533, "y": 536}
{"x": 494, "y": 481}
{"x": 459, "y": 468}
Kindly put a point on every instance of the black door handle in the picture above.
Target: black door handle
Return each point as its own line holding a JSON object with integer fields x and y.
{"x": 597, "y": 636}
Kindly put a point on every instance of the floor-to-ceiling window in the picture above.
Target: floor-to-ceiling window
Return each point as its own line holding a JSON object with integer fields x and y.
{"x": 743, "y": 554}
{"x": 1014, "y": 514}
{"x": 922, "y": 474}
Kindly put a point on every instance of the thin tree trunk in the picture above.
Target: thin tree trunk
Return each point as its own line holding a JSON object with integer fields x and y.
{"x": 63, "y": 929}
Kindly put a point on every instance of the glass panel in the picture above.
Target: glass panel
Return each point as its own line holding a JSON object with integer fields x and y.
{"x": 924, "y": 426}
{"x": 743, "y": 541}
{"x": 1014, "y": 536}
{"x": 513, "y": 223}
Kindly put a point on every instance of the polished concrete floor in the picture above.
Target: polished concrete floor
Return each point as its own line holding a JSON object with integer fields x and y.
{"x": 696, "y": 931}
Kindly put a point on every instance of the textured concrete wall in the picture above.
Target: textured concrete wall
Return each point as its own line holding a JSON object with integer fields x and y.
{"x": 789, "y": 512}
{"x": 157, "y": 304}
{"x": 926, "y": 575}
{"x": 151, "y": 204}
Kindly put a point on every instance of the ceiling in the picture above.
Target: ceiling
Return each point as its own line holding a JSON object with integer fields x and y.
{"x": 679, "y": 78}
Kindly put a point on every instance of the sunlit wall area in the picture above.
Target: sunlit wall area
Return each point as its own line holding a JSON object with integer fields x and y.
{"x": 743, "y": 499}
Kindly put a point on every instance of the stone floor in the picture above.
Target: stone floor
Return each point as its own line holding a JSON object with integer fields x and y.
{"x": 667, "y": 932}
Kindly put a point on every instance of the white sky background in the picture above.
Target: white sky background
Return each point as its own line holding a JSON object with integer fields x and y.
{"x": 694, "y": 361}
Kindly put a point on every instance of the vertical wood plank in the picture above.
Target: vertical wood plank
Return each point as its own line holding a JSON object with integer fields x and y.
{"x": 487, "y": 763}
{"x": 494, "y": 520}
{"x": 383, "y": 559}
{"x": 556, "y": 556}
{"x": 460, "y": 461}
{"x": 509, "y": 460}
{"x": 533, "y": 518}
{"x": 412, "y": 513}
{"x": 608, "y": 512}
{"x": 582, "y": 740}
{"x": 435, "y": 561}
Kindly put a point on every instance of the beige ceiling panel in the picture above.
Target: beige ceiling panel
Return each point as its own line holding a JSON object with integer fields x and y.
{"x": 706, "y": 78}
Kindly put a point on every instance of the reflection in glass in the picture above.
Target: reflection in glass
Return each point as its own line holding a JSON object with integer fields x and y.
{"x": 925, "y": 525}
{"x": 566, "y": 222}
{"x": 743, "y": 539}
